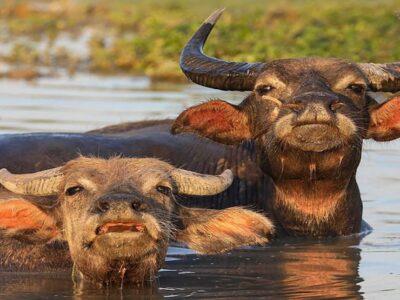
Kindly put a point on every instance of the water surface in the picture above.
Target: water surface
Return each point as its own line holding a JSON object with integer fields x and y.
{"x": 346, "y": 268}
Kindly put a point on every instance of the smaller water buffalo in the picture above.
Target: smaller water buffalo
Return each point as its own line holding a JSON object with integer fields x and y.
{"x": 113, "y": 219}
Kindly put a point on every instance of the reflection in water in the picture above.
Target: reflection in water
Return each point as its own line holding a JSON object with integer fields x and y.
{"x": 327, "y": 270}
{"x": 288, "y": 269}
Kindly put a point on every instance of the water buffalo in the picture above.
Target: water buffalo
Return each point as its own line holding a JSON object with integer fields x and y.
{"x": 294, "y": 144}
{"x": 116, "y": 216}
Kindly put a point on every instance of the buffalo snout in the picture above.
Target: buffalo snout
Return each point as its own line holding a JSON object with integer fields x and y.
{"x": 115, "y": 202}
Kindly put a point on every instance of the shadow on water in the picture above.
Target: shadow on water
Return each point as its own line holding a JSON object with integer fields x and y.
{"x": 294, "y": 269}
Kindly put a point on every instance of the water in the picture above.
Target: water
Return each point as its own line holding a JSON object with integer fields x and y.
{"x": 346, "y": 268}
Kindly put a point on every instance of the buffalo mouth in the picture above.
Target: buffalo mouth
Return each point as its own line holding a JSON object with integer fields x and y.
{"x": 123, "y": 240}
{"x": 119, "y": 227}
{"x": 317, "y": 137}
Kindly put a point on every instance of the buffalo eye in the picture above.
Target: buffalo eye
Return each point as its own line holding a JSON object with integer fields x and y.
{"x": 356, "y": 88}
{"x": 264, "y": 89}
{"x": 73, "y": 190}
{"x": 164, "y": 190}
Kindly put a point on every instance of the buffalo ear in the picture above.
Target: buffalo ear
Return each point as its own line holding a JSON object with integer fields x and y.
{"x": 26, "y": 220}
{"x": 214, "y": 231}
{"x": 217, "y": 120}
{"x": 384, "y": 123}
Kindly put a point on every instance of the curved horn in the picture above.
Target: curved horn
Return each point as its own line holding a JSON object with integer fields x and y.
{"x": 382, "y": 77}
{"x": 212, "y": 72}
{"x": 44, "y": 183}
{"x": 192, "y": 183}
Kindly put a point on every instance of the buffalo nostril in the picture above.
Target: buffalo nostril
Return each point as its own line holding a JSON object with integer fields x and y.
{"x": 104, "y": 206}
{"x": 136, "y": 205}
{"x": 336, "y": 105}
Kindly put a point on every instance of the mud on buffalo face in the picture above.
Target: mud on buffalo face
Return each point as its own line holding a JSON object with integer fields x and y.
{"x": 299, "y": 110}
{"x": 119, "y": 215}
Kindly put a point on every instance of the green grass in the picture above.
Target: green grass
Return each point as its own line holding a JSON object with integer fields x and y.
{"x": 149, "y": 35}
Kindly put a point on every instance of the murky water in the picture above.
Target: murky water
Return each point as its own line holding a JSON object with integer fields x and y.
{"x": 346, "y": 268}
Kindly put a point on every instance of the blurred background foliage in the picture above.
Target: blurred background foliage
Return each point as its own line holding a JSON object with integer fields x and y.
{"x": 146, "y": 36}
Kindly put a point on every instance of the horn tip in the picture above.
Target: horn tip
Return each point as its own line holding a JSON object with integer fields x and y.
{"x": 213, "y": 18}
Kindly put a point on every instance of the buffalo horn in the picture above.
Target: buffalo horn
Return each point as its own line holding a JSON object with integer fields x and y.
{"x": 192, "y": 183}
{"x": 212, "y": 72}
{"x": 382, "y": 77}
{"x": 43, "y": 183}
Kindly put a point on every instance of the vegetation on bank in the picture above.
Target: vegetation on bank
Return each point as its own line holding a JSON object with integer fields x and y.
{"x": 146, "y": 36}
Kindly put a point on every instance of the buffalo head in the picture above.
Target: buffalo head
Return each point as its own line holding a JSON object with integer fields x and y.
{"x": 308, "y": 118}
{"x": 118, "y": 215}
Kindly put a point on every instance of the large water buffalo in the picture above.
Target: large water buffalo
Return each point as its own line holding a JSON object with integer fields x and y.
{"x": 294, "y": 144}
{"x": 117, "y": 217}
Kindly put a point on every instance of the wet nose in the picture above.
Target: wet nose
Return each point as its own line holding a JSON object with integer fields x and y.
{"x": 122, "y": 201}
